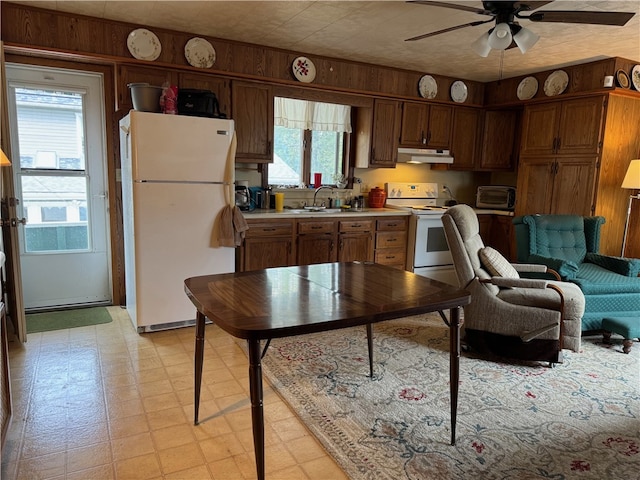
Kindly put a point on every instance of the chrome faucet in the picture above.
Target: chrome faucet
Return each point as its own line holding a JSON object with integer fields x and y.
{"x": 316, "y": 193}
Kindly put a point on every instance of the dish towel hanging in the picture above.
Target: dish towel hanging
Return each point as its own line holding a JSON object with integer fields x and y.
{"x": 230, "y": 224}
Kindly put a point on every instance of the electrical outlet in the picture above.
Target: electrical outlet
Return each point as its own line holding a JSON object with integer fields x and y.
{"x": 444, "y": 188}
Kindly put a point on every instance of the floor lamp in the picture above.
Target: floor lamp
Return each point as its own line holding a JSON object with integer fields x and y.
{"x": 631, "y": 181}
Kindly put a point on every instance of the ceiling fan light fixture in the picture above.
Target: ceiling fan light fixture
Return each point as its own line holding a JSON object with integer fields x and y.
{"x": 525, "y": 39}
{"x": 481, "y": 45}
{"x": 501, "y": 37}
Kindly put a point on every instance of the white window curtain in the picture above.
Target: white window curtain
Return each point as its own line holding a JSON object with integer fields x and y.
{"x": 329, "y": 117}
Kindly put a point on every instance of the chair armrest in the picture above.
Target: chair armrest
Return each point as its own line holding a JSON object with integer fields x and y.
{"x": 534, "y": 268}
{"x": 566, "y": 268}
{"x": 506, "y": 282}
{"x": 629, "y": 267}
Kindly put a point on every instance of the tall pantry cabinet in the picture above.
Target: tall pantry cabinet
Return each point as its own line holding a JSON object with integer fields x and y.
{"x": 574, "y": 154}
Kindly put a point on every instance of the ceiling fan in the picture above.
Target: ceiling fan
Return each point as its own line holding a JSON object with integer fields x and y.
{"x": 508, "y": 33}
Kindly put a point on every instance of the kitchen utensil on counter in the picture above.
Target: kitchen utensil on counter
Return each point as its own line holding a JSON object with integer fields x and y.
{"x": 243, "y": 198}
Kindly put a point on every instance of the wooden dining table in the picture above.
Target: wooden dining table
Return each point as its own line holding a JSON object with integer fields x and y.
{"x": 280, "y": 302}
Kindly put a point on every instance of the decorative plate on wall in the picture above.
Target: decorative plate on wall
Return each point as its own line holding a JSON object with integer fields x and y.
{"x": 199, "y": 53}
{"x": 635, "y": 77}
{"x": 143, "y": 44}
{"x": 458, "y": 91}
{"x": 304, "y": 70}
{"x": 556, "y": 83}
{"x": 428, "y": 87}
{"x": 623, "y": 79}
{"x": 528, "y": 88}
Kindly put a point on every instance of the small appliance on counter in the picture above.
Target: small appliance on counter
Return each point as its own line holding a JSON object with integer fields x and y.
{"x": 498, "y": 197}
{"x": 243, "y": 198}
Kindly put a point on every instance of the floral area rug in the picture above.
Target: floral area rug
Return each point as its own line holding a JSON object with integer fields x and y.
{"x": 578, "y": 420}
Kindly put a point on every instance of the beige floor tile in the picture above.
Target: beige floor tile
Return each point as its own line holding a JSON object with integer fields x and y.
{"x": 181, "y": 458}
{"x": 170, "y": 437}
{"x": 128, "y": 426}
{"x": 221, "y": 447}
{"x": 133, "y": 446}
{"x": 322, "y": 469}
{"x": 226, "y": 469}
{"x": 88, "y": 457}
{"x": 102, "y": 472}
{"x": 138, "y": 468}
{"x": 108, "y": 403}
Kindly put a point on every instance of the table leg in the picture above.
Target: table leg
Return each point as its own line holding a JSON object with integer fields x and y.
{"x": 200, "y": 319}
{"x": 454, "y": 367}
{"x": 257, "y": 414}
{"x": 370, "y": 347}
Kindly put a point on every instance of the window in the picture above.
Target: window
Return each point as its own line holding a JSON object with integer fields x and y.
{"x": 309, "y": 137}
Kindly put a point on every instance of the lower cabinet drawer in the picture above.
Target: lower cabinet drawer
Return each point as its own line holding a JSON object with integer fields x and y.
{"x": 391, "y": 239}
{"x": 269, "y": 229}
{"x": 391, "y": 256}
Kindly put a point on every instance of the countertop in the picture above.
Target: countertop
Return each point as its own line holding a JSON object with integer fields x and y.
{"x": 367, "y": 212}
{"x": 298, "y": 213}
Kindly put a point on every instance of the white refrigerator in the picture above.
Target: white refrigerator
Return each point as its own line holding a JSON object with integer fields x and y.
{"x": 173, "y": 188}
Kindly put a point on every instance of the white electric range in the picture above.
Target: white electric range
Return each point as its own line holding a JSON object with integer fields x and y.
{"x": 427, "y": 242}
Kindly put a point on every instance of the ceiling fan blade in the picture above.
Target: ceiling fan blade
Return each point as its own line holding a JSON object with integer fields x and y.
{"x": 479, "y": 11}
{"x": 595, "y": 18}
{"x": 450, "y": 29}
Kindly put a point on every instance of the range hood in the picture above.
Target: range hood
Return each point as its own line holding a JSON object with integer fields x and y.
{"x": 423, "y": 155}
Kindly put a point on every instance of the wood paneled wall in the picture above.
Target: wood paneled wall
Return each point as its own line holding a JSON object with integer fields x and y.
{"x": 104, "y": 39}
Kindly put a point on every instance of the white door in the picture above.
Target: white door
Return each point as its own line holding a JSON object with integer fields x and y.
{"x": 58, "y": 151}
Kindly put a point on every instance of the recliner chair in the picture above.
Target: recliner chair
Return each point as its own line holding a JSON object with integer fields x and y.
{"x": 532, "y": 319}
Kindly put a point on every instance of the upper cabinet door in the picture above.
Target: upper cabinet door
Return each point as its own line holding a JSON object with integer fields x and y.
{"x": 539, "y": 129}
{"x": 440, "y": 124}
{"x": 499, "y": 140}
{"x": 384, "y": 135}
{"x": 252, "y": 111}
{"x": 464, "y": 144}
{"x": 425, "y": 126}
{"x": 580, "y": 126}
{"x": 218, "y": 85}
{"x": 414, "y": 125}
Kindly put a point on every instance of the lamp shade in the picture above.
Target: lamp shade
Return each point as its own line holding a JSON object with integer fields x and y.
{"x": 632, "y": 178}
{"x": 501, "y": 37}
{"x": 4, "y": 160}
{"x": 525, "y": 39}
{"x": 481, "y": 45}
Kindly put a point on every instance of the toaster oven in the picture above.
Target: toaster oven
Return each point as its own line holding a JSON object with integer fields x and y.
{"x": 498, "y": 197}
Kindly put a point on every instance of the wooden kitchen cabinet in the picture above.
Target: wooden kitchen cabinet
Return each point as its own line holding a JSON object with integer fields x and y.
{"x": 218, "y": 85}
{"x": 571, "y": 127}
{"x": 137, "y": 74}
{"x": 464, "y": 138}
{"x": 267, "y": 243}
{"x": 385, "y": 132}
{"x": 355, "y": 240}
{"x": 391, "y": 241}
{"x": 557, "y": 185}
{"x": 426, "y": 126}
{"x": 496, "y": 231}
{"x": 252, "y": 111}
{"x": 499, "y": 140}
{"x": 316, "y": 242}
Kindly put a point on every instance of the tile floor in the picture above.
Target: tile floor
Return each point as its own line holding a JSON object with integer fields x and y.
{"x": 104, "y": 402}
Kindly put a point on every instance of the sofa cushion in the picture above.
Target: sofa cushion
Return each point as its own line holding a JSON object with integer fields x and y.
{"x": 496, "y": 264}
{"x": 558, "y": 236}
{"x": 593, "y": 279}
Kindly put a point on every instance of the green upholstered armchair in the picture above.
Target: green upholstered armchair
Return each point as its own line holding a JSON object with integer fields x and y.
{"x": 508, "y": 315}
{"x": 570, "y": 244}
